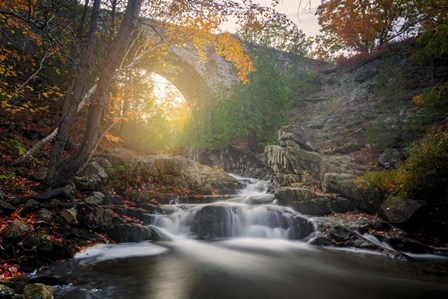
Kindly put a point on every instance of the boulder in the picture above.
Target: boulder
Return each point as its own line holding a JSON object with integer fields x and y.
{"x": 312, "y": 202}
{"x": 16, "y": 229}
{"x": 95, "y": 199}
{"x": 6, "y": 292}
{"x": 304, "y": 200}
{"x": 344, "y": 184}
{"x": 390, "y": 158}
{"x": 210, "y": 223}
{"x": 31, "y": 205}
{"x": 216, "y": 181}
{"x": 298, "y": 135}
{"x": 287, "y": 179}
{"x": 104, "y": 217}
{"x": 69, "y": 215}
{"x": 317, "y": 206}
{"x": 41, "y": 174}
{"x": 44, "y": 214}
{"x": 6, "y": 207}
{"x": 399, "y": 210}
{"x": 129, "y": 232}
{"x": 93, "y": 178}
{"x": 293, "y": 160}
{"x": 339, "y": 236}
{"x": 142, "y": 215}
{"x": 302, "y": 228}
{"x": 37, "y": 291}
{"x": 140, "y": 196}
{"x": 172, "y": 165}
{"x": 342, "y": 205}
{"x": 38, "y": 242}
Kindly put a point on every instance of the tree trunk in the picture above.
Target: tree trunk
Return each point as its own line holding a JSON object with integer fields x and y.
{"x": 69, "y": 167}
{"x": 74, "y": 95}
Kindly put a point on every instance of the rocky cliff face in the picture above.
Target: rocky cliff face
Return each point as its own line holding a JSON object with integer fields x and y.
{"x": 324, "y": 149}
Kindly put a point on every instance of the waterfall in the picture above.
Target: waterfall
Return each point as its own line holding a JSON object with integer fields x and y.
{"x": 250, "y": 213}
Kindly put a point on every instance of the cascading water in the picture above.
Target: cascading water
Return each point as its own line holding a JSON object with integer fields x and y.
{"x": 252, "y": 257}
{"x": 251, "y": 213}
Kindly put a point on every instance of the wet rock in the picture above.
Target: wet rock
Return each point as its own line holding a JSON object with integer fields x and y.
{"x": 339, "y": 236}
{"x": 16, "y": 229}
{"x": 142, "y": 215}
{"x": 317, "y": 206}
{"x": 390, "y": 158}
{"x": 210, "y": 223}
{"x": 48, "y": 280}
{"x": 399, "y": 210}
{"x": 37, "y": 291}
{"x": 93, "y": 178}
{"x": 407, "y": 245}
{"x": 69, "y": 215}
{"x": 30, "y": 206}
{"x": 6, "y": 292}
{"x": 95, "y": 199}
{"x": 104, "y": 217}
{"x": 298, "y": 135}
{"x": 217, "y": 181}
{"x": 6, "y": 207}
{"x": 302, "y": 228}
{"x": 129, "y": 232}
{"x": 38, "y": 242}
{"x": 305, "y": 200}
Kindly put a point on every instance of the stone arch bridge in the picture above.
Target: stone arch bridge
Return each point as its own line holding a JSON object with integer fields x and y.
{"x": 194, "y": 78}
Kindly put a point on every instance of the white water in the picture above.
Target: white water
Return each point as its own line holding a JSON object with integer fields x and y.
{"x": 251, "y": 213}
{"x": 252, "y": 260}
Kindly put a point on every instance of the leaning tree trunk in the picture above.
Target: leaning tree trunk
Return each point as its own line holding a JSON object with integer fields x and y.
{"x": 74, "y": 95}
{"x": 69, "y": 167}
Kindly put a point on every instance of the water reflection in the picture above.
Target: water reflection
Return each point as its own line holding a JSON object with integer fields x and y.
{"x": 249, "y": 268}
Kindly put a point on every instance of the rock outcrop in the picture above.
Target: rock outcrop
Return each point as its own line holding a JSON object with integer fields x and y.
{"x": 142, "y": 172}
{"x": 326, "y": 146}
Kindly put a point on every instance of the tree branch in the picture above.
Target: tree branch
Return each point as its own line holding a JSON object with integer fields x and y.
{"x": 41, "y": 66}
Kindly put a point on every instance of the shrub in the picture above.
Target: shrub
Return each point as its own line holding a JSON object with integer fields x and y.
{"x": 423, "y": 175}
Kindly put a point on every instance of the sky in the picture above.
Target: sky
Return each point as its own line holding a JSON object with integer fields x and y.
{"x": 304, "y": 19}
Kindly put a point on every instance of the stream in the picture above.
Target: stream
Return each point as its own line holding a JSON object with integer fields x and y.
{"x": 241, "y": 247}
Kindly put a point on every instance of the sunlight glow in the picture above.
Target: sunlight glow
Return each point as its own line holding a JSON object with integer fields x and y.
{"x": 165, "y": 91}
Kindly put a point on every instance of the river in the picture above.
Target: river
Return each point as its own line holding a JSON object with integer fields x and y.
{"x": 252, "y": 254}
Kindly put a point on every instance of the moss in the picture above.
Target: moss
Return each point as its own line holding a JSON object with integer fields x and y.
{"x": 393, "y": 201}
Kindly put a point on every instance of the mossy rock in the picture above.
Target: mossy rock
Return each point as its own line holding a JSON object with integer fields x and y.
{"x": 398, "y": 209}
{"x": 37, "y": 291}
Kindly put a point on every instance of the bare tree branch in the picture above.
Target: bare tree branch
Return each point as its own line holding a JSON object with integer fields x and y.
{"x": 41, "y": 66}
